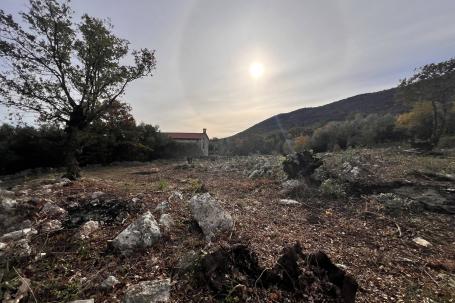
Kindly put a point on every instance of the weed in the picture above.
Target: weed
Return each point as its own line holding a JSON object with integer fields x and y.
{"x": 163, "y": 185}
{"x": 197, "y": 186}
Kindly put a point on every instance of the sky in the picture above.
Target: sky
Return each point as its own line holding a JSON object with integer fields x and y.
{"x": 311, "y": 52}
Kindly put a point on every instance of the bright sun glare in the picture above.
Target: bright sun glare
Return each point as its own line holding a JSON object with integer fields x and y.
{"x": 256, "y": 70}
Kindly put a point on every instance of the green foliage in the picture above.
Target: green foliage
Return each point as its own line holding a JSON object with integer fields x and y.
{"x": 197, "y": 186}
{"x": 418, "y": 123}
{"x": 332, "y": 188}
{"x": 66, "y": 72}
{"x": 163, "y": 184}
{"x": 359, "y": 132}
{"x": 27, "y": 147}
{"x": 434, "y": 83}
{"x": 253, "y": 144}
{"x": 81, "y": 62}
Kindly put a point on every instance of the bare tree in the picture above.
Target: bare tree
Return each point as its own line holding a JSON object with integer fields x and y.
{"x": 66, "y": 72}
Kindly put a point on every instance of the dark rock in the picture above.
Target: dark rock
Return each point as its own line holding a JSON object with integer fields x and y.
{"x": 300, "y": 165}
{"x": 302, "y": 276}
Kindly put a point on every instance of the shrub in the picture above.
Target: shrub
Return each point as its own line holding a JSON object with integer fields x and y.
{"x": 332, "y": 188}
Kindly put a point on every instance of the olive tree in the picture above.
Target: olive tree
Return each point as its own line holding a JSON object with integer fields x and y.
{"x": 434, "y": 83}
{"x": 66, "y": 72}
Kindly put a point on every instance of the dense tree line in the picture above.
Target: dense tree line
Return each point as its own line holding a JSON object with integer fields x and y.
{"x": 113, "y": 137}
{"x": 359, "y": 131}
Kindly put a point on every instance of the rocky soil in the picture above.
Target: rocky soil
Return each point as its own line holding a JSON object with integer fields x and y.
{"x": 375, "y": 224}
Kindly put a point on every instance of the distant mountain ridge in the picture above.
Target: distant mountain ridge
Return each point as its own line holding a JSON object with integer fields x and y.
{"x": 381, "y": 102}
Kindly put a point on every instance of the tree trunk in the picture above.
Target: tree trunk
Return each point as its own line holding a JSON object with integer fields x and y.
{"x": 73, "y": 171}
{"x": 435, "y": 131}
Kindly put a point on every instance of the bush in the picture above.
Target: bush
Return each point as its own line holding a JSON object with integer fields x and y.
{"x": 359, "y": 132}
{"x": 332, "y": 188}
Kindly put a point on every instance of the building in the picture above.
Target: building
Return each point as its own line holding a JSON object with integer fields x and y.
{"x": 197, "y": 143}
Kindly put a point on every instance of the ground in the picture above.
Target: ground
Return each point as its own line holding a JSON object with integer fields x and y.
{"x": 352, "y": 227}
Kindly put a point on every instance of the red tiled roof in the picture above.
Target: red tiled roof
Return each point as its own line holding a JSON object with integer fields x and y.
{"x": 185, "y": 136}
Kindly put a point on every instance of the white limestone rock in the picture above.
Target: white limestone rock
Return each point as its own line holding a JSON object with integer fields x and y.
{"x": 110, "y": 282}
{"x": 212, "y": 219}
{"x": 52, "y": 225}
{"x": 157, "y": 291}
{"x": 289, "y": 202}
{"x": 87, "y": 229}
{"x": 142, "y": 233}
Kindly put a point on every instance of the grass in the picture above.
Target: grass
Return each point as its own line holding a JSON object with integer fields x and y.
{"x": 163, "y": 185}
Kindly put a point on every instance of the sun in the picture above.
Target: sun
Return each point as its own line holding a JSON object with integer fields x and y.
{"x": 256, "y": 70}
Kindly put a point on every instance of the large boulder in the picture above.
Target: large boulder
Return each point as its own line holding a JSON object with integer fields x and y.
{"x": 142, "y": 233}
{"x": 149, "y": 292}
{"x": 211, "y": 218}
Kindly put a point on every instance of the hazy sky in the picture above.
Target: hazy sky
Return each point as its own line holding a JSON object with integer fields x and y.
{"x": 313, "y": 52}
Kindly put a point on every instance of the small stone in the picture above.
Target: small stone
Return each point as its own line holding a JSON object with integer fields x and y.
{"x": 97, "y": 194}
{"x": 84, "y": 301}
{"x": 421, "y": 242}
{"x": 63, "y": 182}
{"x": 162, "y": 206}
{"x": 18, "y": 234}
{"x": 6, "y": 194}
{"x": 289, "y": 202}
{"x": 52, "y": 225}
{"x": 175, "y": 195}
{"x": 149, "y": 292}
{"x": 87, "y": 229}
{"x": 50, "y": 210}
{"x": 110, "y": 282}
{"x": 291, "y": 184}
{"x": 21, "y": 248}
{"x": 342, "y": 266}
{"x": 40, "y": 256}
{"x": 3, "y": 246}
{"x": 8, "y": 204}
{"x": 166, "y": 222}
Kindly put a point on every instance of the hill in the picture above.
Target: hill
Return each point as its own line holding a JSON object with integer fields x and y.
{"x": 381, "y": 102}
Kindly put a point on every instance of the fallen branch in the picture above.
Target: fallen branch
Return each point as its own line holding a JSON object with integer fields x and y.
{"x": 26, "y": 283}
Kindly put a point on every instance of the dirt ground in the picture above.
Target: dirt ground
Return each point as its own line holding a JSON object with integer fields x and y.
{"x": 355, "y": 231}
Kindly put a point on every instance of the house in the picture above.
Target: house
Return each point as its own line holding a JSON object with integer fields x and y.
{"x": 197, "y": 143}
